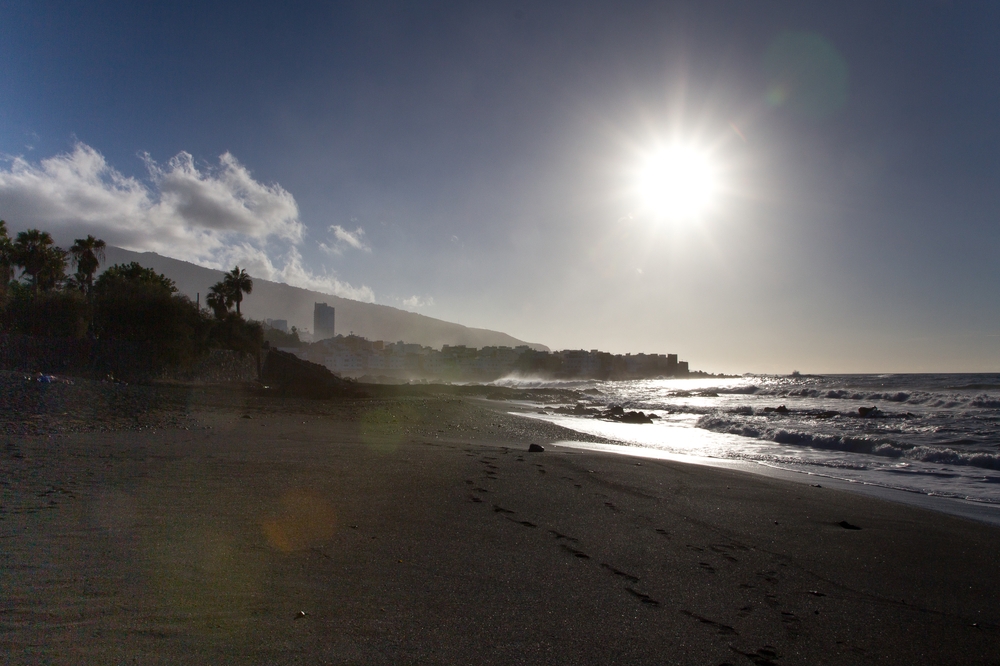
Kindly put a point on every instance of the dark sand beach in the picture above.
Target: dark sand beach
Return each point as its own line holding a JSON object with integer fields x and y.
{"x": 220, "y": 525}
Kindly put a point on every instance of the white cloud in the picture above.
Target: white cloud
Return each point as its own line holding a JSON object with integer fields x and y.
{"x": 290, "y": 271}
{"x": 414, "y": 302}
{"x": 342, "y": 238}
{"x": 209, "y": 215}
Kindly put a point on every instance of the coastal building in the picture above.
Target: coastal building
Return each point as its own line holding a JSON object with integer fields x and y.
{"x": 278, "y": 324}
{"x": 353, "y": 355}
{"x": 323, "y": 320}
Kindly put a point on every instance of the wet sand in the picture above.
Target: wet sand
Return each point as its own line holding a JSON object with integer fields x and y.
{"x": 420, "y": 530}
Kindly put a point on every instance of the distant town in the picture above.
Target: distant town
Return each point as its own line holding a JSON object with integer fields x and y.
{"x": 355, "y": 356}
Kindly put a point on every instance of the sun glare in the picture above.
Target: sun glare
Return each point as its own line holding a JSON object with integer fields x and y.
{"x": 677, "y": 182}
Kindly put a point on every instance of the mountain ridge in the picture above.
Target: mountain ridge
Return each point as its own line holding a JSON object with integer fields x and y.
{"x": 277, "y": 300}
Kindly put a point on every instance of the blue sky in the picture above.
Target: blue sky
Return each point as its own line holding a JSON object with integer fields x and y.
{"x": 475, "y": 162}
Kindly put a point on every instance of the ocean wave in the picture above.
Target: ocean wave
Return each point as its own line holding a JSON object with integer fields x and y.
{"x": 985, "y": 401}
{"x": 525, "y": 381}
{"x": 847, "y": 443}
{"x": 944, "y": 400}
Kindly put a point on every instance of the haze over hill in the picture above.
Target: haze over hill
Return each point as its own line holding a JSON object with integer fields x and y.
{"x": 273, "y": 300}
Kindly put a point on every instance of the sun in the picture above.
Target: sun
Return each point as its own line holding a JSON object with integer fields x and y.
{"x": 677, "y": 182}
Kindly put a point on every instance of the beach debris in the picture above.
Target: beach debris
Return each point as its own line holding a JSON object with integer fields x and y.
{"x": 847, "y": 526}
{"x": 246, "y": 416}
{"x": 536, "y": 448}
{"x": 815, "y": 485}
{"x": 301, "y": 614}
{"x": 816, "y": 593}
{"x": 51, "y": 379}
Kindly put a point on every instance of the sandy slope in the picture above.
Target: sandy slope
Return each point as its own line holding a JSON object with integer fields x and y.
{"x": 420, "y": 531}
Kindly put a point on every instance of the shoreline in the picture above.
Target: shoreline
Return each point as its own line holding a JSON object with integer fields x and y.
{"x": 250, "y": 529}
{"x": 983, "y": 511}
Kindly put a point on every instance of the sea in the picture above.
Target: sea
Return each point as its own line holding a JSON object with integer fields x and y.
{"x": 927, "y": 435}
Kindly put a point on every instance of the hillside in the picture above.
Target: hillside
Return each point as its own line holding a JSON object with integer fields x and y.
{"x": 273, "y": 300}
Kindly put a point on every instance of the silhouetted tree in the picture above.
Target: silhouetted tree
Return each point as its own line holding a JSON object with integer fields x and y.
{"x": 53, "y": 273}
{"x": 133, "y": 273}
{"x": 87, "y": 253}
{"x": 55, "y": 313}
{"x": 41, "y": 261}
{"x": 232, "y": 331}
{"x": 135, "y": 303}
{"x": 219, "y": 299}
{"x": 6, "y": 260}
{"x": 237, "y": 282}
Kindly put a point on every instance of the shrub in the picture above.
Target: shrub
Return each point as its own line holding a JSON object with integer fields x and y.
{"x": 49, "y": 314}
{"x": 149, "y": 312}
{"x": 234, "y": 332}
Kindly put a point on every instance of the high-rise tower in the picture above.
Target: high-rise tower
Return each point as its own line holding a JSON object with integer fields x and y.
{"x": 322, "y": 322}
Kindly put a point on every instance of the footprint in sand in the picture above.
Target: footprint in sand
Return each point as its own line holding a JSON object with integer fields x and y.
{"x": 644, "y": 598}
{"x": 473, "y": 498}
{"x": 619, "y": 572}
{"x": 573, "y": 551}
{"x": 499, "y": 509}
{"x": 723, "y": 629}
{"x": 559, "y": 535}
{"x": 765, "y": 656}
{"x": 722, "y": 549}
{"x": 769, "y": 576}
{"x": 792, "y": 624}
{"x": 522, "y": 522}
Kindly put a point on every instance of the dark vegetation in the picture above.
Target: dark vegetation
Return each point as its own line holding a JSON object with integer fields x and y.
{"x": 128, "y": 303}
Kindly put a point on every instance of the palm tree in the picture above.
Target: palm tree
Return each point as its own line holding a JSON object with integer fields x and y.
{"x": 41, "y": 261}
{"x": 88, "y": 253}
{"x": 219, "y": 299}
{"x": 238, "y": 283}
{"x": 53, "y": 271}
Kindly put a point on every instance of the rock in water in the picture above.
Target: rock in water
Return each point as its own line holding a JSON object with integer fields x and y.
{"x": 536, "y": 448}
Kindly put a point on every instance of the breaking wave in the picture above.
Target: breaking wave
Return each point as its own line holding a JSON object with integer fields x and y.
{"x": 877, "y": 446}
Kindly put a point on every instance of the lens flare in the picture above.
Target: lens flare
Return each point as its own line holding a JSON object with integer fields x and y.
{"x": 677, "y": 182}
